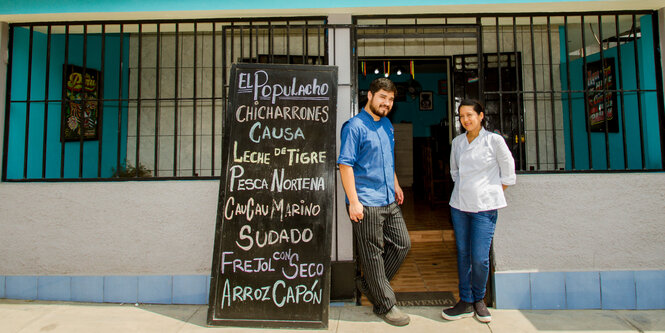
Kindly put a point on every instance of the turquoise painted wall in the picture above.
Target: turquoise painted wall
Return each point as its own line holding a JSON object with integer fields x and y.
{"x": 631, "y": 126}
{"x": 82, "y": 6}
{"x": 409, "y": 110}
{"x": 18, "y": 110}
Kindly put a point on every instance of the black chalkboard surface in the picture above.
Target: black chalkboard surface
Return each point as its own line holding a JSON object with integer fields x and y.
{"x": 271, "y": 259}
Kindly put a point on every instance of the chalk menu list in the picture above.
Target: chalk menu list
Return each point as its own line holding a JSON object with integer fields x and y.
{"x": 271, "y": 259}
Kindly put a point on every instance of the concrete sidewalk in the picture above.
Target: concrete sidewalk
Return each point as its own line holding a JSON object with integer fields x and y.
{"x": 43, "y": 316}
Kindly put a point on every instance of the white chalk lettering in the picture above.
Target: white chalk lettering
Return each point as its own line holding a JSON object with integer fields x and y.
{"x": 279, "y": 183}
{"x": 255, "y": 265}
{"x": 287, "y": 133}
{"x": 272, "y": 237}
{"x": 298, "y": 157}
{"x": 279, "y": 293}
{"x": 290, "y": 209}
{"x": 249, "y": 209}
{"x": 248, "y": 156}
{"x": 245, "y": 184}
{"x": 255, "y": 112}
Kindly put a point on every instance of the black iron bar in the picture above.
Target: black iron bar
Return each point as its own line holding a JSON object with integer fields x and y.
{"x": 223, "y": 157}
{"x": 82, "y": 119}
{"x": 586, "y": 94}
{"x": 100, "y": 104}
{"x": 242, "y": 44}
{"x": 257, "y": 44}
{"x": 481, "y": 61}
{"x": 120, "y": 101}
{"x": 604, "y": 90}
{"x": 213, "y": 101}
{"x": 552, "y": 106}
{"x": 288, "y": 42}
{"x": 570, "y": 98}
{"x": 27, "y": 106}
{"x": 639, "y": 100}
{"x": 520, "y": 131}
{"x": 194, "y": 104}
{"x": 10, "y": 48}
{"x": 46, "y": 84}
{"x": 175, "y": 106}
{"x": 251, "y": 45}
{"x": 305, "y": 44}
{"x": 621, "y": 94}
{"x": 64, "y": 101}
{"x": 158, "y": 79}
{"x": 271, "y": 36}
{"x": 233, "y": 32}
{"x": 534, "y": 75}
{"x": 184, "y": 21}
{"x": 139, "y": 80}
{"x": 318, "y": 46}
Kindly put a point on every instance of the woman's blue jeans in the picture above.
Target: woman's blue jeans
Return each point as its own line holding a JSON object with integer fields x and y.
{"x": 473, "y": 235}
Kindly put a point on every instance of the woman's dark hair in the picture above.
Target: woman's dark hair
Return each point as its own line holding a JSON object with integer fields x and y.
{"x": 382, "y": 83}
{"x": 476, "y": 107}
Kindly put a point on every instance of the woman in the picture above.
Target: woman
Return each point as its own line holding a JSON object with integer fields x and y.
{"x": 481, "y": 166}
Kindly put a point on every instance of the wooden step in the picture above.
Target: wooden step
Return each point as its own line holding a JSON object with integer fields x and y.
{"x": 426, "y": 236}
{"x": 420, "y": 236}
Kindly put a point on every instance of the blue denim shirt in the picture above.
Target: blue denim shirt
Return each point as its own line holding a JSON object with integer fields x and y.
{"x": 368, "y": 147}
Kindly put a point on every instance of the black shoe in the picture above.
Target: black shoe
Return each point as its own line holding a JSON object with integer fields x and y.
{"x": 396, "y": 317}
{"x": 363, "y": 290}
{"x": 460, "y": 310}
{"x": 482, "y": 314}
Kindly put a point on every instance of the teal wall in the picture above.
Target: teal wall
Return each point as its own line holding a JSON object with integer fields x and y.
{"x": 631, "y": 126}
{"x": 18, "y": 110}
{"x": 82, "y": 6}
{"x": 409, "y": 110}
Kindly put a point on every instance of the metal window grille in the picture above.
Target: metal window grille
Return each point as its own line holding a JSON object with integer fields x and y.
{"x": 543, "y": 78}
{"x": 540, "y": 78}
{"x": 149, "y": 97}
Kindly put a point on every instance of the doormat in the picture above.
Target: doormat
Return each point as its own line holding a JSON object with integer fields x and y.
{"x": 425, "y": 298}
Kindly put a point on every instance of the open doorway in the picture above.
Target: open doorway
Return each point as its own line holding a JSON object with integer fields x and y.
{"x": 420, "y": 60}
{"x": 420, "y": 118}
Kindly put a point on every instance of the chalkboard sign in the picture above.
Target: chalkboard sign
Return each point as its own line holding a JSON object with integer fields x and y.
{"x": 271, "y": 260}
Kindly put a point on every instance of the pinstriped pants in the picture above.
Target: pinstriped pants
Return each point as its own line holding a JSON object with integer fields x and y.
{"x": 382, "y": 242}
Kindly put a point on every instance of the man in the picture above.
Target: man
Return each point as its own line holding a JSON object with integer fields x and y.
{"x": 367, "y": 167}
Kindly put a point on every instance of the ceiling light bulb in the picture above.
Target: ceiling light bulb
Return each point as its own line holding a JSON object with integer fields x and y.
{"x": 386, "y": 74}
{"x": 399, "y": 72}
{"x": 376, "y": 71}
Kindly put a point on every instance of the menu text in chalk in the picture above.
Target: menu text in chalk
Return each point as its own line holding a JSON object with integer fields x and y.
{"x": 271, "y": 256}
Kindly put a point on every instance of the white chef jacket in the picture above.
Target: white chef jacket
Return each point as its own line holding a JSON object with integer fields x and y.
{"x": 479, "y": 169}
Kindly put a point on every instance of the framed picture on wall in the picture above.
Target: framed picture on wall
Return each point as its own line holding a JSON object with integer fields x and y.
{"x": 80, "y": 108}
{"x": 426, "y": 101}
{"x": 601, "y": 99}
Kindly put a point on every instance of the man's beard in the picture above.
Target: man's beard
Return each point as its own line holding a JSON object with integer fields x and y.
{"x": 377, "y": 110}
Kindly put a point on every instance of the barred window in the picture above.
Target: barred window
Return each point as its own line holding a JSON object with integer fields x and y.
{"x": 134, "y": 100}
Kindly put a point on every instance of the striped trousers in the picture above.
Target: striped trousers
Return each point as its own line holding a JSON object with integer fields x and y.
{"x": 382, "y": 242}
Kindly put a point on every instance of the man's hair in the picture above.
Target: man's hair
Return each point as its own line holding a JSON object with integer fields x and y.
{"x": 476, "y": 107}
{"x": 382, "y": 83}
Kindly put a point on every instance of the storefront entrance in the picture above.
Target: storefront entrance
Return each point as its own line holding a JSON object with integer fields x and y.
{"x": 419, "y": 59}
